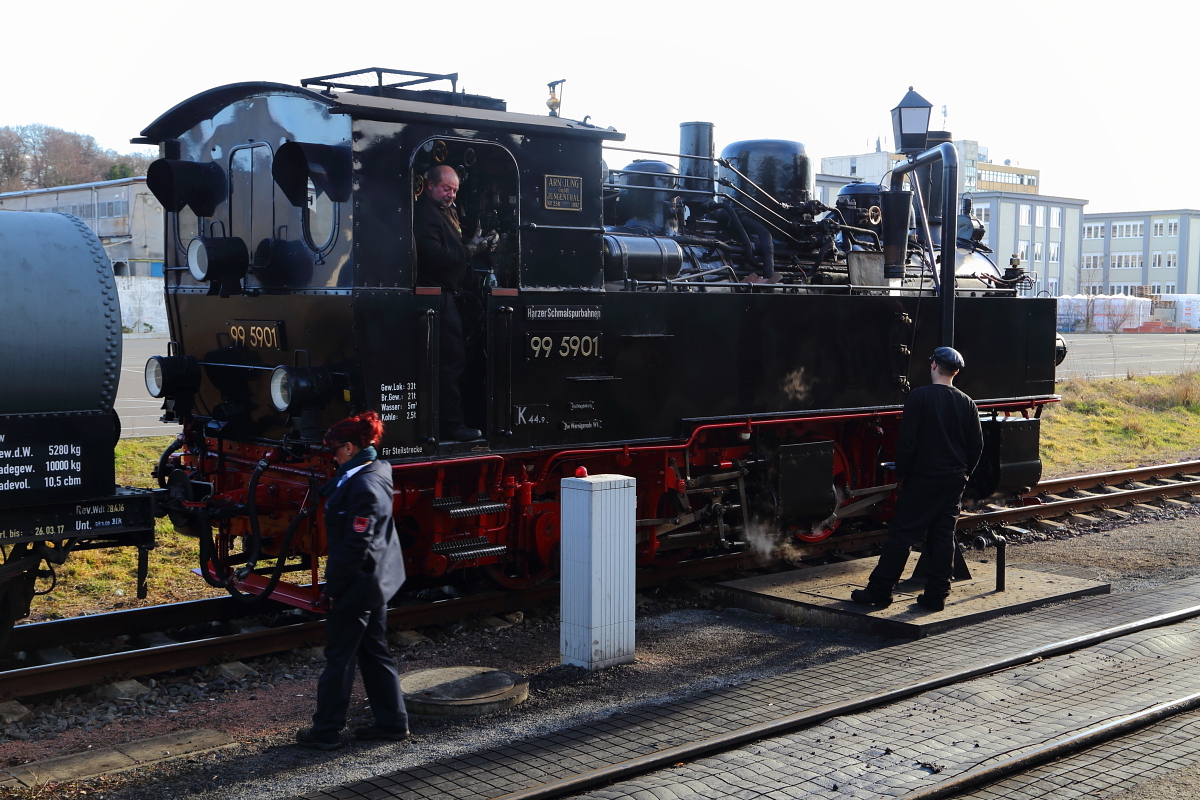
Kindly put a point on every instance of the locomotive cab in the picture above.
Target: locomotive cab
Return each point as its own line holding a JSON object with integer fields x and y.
{"x": 488, "y": 200}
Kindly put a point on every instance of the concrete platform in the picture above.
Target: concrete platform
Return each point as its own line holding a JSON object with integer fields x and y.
{"x": 821, "y": 596}
{"x": 932, "y": 738}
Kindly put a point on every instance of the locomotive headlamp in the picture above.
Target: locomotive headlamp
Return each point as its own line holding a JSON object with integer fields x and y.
{"x": 294, "y": 388}
{"x": 212, "y": 258}
{"x": 910, "y": 123}
{"x": 172, "y": 375}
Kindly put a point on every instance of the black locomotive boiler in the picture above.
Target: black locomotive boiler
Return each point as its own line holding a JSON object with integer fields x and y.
{"x": 60, "y": 362}
{"x": 706, "y": 326}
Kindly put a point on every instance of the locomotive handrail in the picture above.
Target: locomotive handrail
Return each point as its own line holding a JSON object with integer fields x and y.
{"x": 422, "y": 77}
{"x": 668, "y": 155}
{"x": 723, "y": 162}
{"x": 948, "y": 155}
{"x": 664, "y": 190}
{"x": 928, "y": 247}
{"x": 533, "y": 226}
{"x": 758, "y": 216}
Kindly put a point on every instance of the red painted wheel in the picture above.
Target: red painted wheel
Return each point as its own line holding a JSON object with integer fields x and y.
{"x": 841, "y": 490}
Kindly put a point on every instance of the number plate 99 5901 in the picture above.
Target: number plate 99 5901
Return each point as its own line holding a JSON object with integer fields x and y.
{"x": 546, "y": 345}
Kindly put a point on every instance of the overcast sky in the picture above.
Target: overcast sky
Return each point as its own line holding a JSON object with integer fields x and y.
{"x": 1098, "y": 98}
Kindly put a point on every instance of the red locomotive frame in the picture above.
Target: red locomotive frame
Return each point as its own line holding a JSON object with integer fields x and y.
{"x": 510, "y": 526}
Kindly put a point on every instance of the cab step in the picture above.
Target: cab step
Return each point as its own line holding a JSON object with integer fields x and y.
{"x": 468, "y": 549}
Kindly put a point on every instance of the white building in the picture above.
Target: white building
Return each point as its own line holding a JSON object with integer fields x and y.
{"x": 123, "y": 213}
{"x": 1044, "y": 232}
{"x": 1158, "y": 249}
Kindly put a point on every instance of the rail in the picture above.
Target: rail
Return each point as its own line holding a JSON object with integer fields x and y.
{"x": 1042, "y": 502}
{"x": 43, "y": 679}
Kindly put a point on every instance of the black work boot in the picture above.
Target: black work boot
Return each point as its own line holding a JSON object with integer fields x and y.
{"x": 931, "y": 603}
{"x": 865, "y": 597}
{"x": 378, "y": 733}
{"x": 325, "y": 740}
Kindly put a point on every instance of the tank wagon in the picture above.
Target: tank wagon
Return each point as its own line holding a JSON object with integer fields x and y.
{"x": 698, "y": 321}
{"x": 60, "y": 363}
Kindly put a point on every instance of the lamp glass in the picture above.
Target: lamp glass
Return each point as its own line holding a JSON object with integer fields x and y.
{"x": 914, "y": 120}
{"x": 281, "y": 388}
{"x": 154, "y": 377}
{"x": 197, "y": 259}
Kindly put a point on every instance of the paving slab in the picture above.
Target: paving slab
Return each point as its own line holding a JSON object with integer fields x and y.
{"x": 821, "y": 596}
{"x": 1120, "y": 765}
{"x": 174, "y": 745}
{"x": 940, "y": 733}
{"x": 106, "y": 760}
{"x": 72, "y": 767}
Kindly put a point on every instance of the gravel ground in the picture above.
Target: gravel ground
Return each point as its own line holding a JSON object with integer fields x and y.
{"x": 686, "y": 644}
{"x": 1183, "y": 784}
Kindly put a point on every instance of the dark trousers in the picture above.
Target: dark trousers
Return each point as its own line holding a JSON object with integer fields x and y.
{"x": 352, "y": 632}
{"x": 453, "y": 362}
{"x": 926, "y": 508}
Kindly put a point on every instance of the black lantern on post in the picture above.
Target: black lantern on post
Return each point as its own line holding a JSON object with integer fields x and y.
{"x": 910, "y": 123}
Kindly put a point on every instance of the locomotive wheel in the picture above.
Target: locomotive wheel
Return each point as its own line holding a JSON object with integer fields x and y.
{"x": 522, "y": 574}
{"x": 841, "y": 486}
{"x": 669, "y": 558}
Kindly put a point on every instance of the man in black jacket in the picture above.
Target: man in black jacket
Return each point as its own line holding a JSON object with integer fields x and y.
{"x": 444, "y": 260}
{"x": 939, "y": 445}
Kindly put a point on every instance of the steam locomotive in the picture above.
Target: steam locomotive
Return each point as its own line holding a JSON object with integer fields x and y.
{"x": 712, "y": 329}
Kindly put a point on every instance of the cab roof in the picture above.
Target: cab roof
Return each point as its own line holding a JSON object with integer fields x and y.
{"x": 432, "y": 107}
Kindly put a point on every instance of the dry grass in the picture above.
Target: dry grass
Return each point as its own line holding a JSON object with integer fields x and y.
{"x": 1115, "y": 423}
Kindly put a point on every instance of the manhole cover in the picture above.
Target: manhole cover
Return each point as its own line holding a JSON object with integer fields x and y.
{"x": 461, "y": 691}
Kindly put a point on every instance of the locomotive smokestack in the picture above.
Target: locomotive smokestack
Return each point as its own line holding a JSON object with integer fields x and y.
{"x": 696, "y": 139}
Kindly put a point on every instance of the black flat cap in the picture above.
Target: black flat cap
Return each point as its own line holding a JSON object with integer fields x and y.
{"x": 948, "y": 358}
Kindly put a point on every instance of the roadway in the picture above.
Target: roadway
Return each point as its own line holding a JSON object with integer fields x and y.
{"x": 139, "y": 411}
{"x": 1099, "y": 355}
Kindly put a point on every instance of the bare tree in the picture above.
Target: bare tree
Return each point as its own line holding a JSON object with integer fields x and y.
{"x": 42, "y": 157}
{"x": 1118, "y": 319}
{"x": 1089, "y": 278}
{"x": 12, "y": 160}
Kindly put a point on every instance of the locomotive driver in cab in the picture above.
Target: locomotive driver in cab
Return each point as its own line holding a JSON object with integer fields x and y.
{"x": 938, "y": 447}
{"x": 444, "y": 260}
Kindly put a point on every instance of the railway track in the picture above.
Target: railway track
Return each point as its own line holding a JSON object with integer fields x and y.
{"x": 1072, "y": 497}
{"x": 1103, "y": 492}
{"x": 304, "y": 631}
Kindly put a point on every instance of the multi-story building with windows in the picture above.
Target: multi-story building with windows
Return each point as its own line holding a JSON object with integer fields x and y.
{"x": 123, "y": 213}
{"x": 1044, "y": 232}
{"x": 976, "y": 174}
{"x": 1159, "y": 249}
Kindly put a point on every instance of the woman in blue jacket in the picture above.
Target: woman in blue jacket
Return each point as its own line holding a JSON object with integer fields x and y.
{"x": 363, "y": 569}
